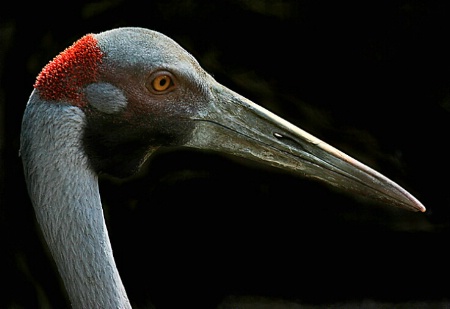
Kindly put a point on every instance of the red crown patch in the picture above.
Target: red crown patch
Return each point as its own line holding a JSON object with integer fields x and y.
{"x": 63, "y": 78}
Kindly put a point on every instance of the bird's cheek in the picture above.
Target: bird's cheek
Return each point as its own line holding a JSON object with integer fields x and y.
{"x": 169, "y": 131}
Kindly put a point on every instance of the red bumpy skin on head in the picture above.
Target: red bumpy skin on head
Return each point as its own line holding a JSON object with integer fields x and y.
{"x": 63, "y": 78}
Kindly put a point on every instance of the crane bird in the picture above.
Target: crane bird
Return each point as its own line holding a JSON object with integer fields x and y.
{"x": 110, "y": 100}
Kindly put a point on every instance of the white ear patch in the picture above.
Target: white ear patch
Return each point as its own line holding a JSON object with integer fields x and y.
{"x": 105, "y": 97}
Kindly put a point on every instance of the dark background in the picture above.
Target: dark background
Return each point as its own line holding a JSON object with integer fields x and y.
{"x": 197, "y": 229}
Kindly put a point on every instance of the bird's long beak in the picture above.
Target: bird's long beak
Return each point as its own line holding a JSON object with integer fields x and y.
{"x": 238, "y": 126}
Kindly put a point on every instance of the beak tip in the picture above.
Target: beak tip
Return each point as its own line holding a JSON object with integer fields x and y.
{"x": 417, "y": 206}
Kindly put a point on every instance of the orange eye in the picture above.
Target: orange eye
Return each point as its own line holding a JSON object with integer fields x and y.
{"x": 161, "y": 83}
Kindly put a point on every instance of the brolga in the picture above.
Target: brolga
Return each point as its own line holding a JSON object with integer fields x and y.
{"x": 109, "y": 101}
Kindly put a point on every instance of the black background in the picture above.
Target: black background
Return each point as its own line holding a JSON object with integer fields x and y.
{"x": 197, "y": 229}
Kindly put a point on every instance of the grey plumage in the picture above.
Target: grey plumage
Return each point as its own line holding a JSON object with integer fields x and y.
{"x": 65, "y": 195}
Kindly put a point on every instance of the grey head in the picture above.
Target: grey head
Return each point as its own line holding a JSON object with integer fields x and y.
{"x": 140, "y": 90}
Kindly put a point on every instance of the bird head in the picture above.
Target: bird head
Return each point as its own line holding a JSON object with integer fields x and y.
{"x": 140, "y": 90}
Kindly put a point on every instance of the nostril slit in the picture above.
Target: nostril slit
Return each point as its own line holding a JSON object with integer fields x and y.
{"x": 290, "y": 141}
{"x": 277, "y": 135}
